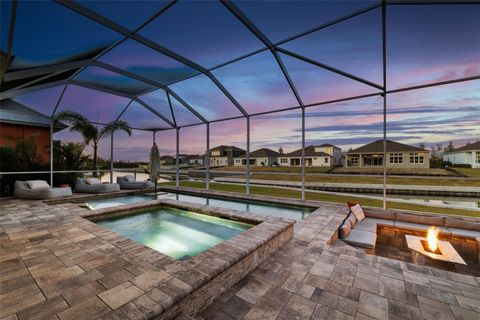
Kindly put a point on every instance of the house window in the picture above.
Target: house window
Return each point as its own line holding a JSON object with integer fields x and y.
{"x": 415, "y": 158}
{"x": 396, "y": 158}
{"x": 478, "y": 158}
{"x": 283, "y": 160}
{"x": 326, "y": 160}
{"x": 354, "y": 160}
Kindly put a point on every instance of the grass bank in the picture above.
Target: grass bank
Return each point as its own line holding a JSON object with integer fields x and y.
{"x": 372, "y": 180}
{"x": 471, "y": 173}
{"x": 288, "y": 193}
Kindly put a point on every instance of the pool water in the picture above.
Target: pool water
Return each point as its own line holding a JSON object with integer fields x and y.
{"x": 295, "y": 213}
{"x": 177, "y": 233}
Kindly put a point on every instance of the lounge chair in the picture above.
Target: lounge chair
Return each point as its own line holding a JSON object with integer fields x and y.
{"x": 93, "y": 185}
{"x": 40, "y": 191}
{"x": 128, "y": 182}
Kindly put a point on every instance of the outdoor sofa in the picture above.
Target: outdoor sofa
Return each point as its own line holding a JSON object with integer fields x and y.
{"x": 93, "y": 185}
{"x": 364, "y": 233}
{"x": 128, "y": 182}
{"x": 43, "y": 191}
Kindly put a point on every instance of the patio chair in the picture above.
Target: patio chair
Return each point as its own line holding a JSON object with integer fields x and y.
{"x": 94, "y": 185}
{"x": 129, "y": 182}
{"x": 39, "y": 190}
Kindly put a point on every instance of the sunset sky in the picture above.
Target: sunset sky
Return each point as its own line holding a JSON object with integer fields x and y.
{"x": 424, "y": 44}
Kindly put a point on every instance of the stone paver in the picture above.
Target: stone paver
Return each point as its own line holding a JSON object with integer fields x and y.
{"x": 56, "y": 264}
{"x": 66, "y": 267}
{"x": 434, "y": 310}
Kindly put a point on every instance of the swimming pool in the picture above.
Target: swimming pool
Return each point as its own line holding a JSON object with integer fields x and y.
{"x": 295, "y": 213}
{"x": 177, "y": 233}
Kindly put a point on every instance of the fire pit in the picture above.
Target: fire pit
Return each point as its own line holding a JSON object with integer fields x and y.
{"x": 433, "y": 248}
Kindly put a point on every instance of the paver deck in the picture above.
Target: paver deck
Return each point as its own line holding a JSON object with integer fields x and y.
{"x": 310, "y": 279}
{"x": 56, "y": 265}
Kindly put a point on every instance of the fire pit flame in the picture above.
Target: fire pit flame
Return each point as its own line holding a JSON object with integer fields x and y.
{"x": 432, "y": 238}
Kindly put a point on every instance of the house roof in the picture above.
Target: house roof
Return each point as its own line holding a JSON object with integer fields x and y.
{"x": 309, "y": 152}
{"x": 468, "y": 147}
{"x": 224, "y": 147}
{"x": 262, "y": 153}
{"x": 392, "y": 146}
{"x": 14, "y": 112}
{"x": 194, "y": 156}
{"x": 326, "y": 145}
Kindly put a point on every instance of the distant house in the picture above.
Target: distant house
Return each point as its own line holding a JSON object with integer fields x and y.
{"x": 166, "y": 160}
{"x": 222, "y": 156}
{"x": 399, "y": 155}
{"x": 325, "y": 155}
{"x": 181, "y": 158}
{"x": 467, "y": 155}
{"x": 261, "y": 158}
{"x": 194, "y": 160}
{"x": 18, "y": 121}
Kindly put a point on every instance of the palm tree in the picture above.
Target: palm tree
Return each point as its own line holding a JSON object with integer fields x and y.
{"x": 69, "y": 156}
{"x": 90, "y": 131}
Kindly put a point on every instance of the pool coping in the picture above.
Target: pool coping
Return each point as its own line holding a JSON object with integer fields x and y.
{"x": 174, "y": 280}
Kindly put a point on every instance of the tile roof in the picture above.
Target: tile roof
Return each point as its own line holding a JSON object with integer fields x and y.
{"x": 392, "y": 146}
{"x": 309, "y": 152}
{"x": 263, "y": 153}
{"x": 468, "y": 147}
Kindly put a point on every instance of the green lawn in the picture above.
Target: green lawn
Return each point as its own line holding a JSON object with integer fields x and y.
{"x": 275, "y": 169}
{"x": 472, "y": 173}
{"x": 288, "y": 193}
{"x": 372, "y": 180}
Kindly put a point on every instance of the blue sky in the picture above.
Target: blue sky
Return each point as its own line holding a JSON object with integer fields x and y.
{"x": 424, "y": 44}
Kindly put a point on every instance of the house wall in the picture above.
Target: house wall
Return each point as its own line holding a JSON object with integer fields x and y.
{"x": 334, "y": 152}
{"x": 321, "y": 161}
{"x": 10, "y": 133}
{"x": 468, "y": 157}
{"x": 267, "y": 161}
{"x": 220, "y": 161}
{"x": 405, "y": 162}
{"x": 196, "y": 162}
{"x": 309, "y": 161}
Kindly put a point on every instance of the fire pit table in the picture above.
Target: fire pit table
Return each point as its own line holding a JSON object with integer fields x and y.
{"x": 444, "y": 250}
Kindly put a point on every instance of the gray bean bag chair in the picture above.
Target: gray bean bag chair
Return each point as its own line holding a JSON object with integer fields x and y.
{"x": 23, "y": 191}
{"x": 82, "y": 186}
{"x": 128, "y": 182}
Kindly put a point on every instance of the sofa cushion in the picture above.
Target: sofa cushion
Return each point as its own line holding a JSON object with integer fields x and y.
{"x": 353, "y": 219}
{"x": 366, "y": 225}
{"x": 129, "y": 178}
{"x": 431, "y": 220}
{"x": 420, "y": 227}
{"x": 460, "y": 223}
{"x": 471, "y": 234}
{"x": 357, "y": 210}
{"x": 381, "y": 222}
{"x": 345, "y": 229}
{"x": 37, "y": 184}
{"x": 388, "y": 215}
{"x": 360, "y": 238}
{"x": 93, "y": 181}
